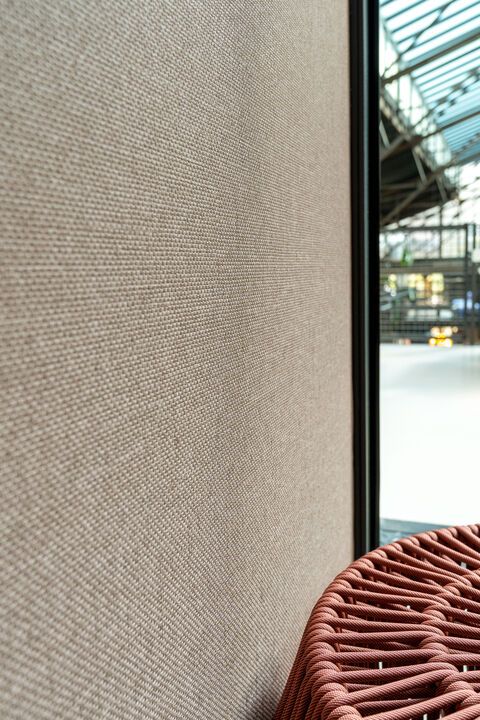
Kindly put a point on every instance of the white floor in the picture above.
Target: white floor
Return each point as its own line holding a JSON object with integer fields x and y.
{"x": 430, "y": 433}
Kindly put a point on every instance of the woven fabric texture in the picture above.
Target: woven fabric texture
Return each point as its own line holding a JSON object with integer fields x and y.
{"x": 175, "y": 350}
{"x": 396, "y": 636}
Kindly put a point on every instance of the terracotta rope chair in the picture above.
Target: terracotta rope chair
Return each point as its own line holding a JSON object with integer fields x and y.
{"x": 396, "y": 636}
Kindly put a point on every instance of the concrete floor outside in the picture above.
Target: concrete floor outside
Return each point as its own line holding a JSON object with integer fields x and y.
{"x": 430, "y": 434}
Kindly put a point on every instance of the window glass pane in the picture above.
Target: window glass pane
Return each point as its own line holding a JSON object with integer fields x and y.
{"x": 429, "y": 249}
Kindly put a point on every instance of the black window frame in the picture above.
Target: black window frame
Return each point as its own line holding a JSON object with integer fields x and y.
{"x": 365, "y": 214}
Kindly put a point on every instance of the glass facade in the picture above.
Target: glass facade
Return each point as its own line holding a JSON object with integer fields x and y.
{"x": 429, "y": 264}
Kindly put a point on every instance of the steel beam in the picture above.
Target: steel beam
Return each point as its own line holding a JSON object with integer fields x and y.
{"x": 421, "y": 17}
{"x": 414, "y": 140}
{"x": 428, "y": 181}
{"x": 430, "y": 57}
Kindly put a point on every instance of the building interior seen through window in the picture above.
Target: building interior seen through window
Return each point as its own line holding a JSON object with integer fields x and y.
{"x": 429, "y": 264}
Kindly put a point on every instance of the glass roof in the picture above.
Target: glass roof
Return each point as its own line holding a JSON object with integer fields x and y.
{"x": 437, "y": 45}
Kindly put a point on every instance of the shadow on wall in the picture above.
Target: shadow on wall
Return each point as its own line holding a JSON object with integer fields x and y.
{"x": 264, "y": 705}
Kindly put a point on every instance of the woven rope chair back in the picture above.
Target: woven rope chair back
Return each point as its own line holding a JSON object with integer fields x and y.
{"x": 396, "y": 636}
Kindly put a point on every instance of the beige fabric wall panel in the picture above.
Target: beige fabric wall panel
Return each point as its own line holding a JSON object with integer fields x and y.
{"x": 175, "y": 350}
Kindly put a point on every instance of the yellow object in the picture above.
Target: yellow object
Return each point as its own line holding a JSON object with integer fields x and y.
{"x": 440, "y": 341}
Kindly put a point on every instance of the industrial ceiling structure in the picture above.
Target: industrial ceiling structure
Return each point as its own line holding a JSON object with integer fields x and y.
{"x": 430, "y": 102}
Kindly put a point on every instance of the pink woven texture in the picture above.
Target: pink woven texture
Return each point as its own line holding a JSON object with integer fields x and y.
{"x": 396, "y": 636}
